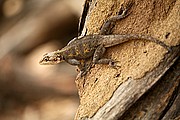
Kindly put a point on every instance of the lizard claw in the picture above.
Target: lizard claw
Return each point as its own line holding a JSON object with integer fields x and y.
{"x": 81, "y": 74}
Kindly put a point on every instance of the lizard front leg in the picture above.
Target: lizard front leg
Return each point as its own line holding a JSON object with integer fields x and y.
{"x": 73, "y": 62}
{"x": 82, "y": 65}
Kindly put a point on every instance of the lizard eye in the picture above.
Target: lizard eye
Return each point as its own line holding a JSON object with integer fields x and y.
{"x": 46, "y": 59}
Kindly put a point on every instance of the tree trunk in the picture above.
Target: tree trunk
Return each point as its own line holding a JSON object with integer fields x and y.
{"x": 146, "y": 85}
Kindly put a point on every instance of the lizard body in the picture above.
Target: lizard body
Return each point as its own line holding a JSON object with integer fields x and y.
{"x": 93, "y": 47}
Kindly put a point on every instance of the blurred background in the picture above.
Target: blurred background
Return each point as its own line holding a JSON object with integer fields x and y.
{"x": 28, "y": 29}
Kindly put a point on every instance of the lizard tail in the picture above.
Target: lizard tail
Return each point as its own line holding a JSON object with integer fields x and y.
{"x": 112, "y": 40}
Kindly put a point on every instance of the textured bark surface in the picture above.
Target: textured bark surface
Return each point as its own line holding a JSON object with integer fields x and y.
{"x": 130, "y": 92}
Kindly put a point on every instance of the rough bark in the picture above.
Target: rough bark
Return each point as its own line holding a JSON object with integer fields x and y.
{"x": 146, "y": 85}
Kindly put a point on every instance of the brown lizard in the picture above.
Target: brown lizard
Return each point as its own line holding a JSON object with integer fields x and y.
{"x": 93, "y": 47}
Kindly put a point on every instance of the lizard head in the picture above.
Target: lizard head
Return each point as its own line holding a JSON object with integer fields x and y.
{"x": 51, "y": 58}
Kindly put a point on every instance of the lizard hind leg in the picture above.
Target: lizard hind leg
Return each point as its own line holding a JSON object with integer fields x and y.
{"x": 98, "y": 54}
{"x": 107, "y": 27}
{"x": 97, "y": 57}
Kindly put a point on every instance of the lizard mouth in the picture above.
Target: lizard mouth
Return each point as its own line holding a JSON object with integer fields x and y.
{"x": 48, "y": 61}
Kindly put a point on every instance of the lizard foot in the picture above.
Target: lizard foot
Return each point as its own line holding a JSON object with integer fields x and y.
{"x": 113, "y": 64}
{"x": 84, "y": 70}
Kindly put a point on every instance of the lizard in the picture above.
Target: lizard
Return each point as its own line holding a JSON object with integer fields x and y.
{"x": 93, "y": 47}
